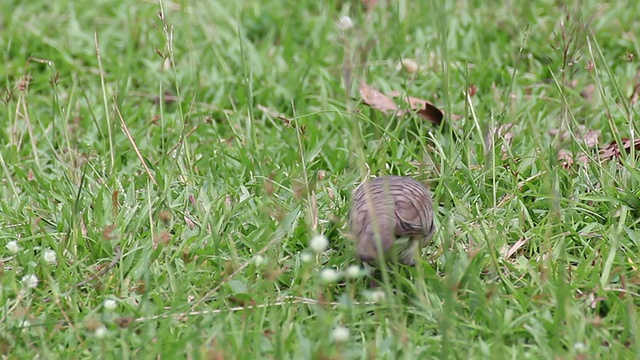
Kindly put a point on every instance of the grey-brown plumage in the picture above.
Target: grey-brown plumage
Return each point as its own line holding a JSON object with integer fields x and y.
{"x": 396, "y": 208}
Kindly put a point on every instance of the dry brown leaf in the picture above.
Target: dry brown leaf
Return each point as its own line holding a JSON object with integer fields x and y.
{"x": 566, "y": 158}
{"x": 589, "y": 136}
{"x": 503, "y": 132}
{"x": 189, "y": 222}
{"x": 424, "y": 108}
{"x": 376, "y": 99}
{"x": 513, "y": 249}
{"x": 613, "y": 150}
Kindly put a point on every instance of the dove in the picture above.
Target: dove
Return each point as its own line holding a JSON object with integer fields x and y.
{"x": 393, "y": 214}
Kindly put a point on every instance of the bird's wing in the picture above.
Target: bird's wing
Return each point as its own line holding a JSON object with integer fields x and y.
{"x": 410, "y": 218}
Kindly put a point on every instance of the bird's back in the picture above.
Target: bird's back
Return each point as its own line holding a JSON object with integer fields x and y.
{"x": 391, "y": 207}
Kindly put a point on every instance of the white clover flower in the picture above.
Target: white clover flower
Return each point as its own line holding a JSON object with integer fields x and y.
{"x": 30, "y": 281}
{"x": 110, "y": 304}
{"x": 580, "y": 347}
{"x": 13, "y": 247}
{"x": 329, "y": 275}
{"x": 340, "y": 334}
{"x": 25, "y": 323}
{"x": 306, "y": 257}
{"x": 50, "y": 257}
{"x": 344, "y": 23}
{"x": 375, "y": 295}
{"x": 319, "y": 243}
{"x": 354, "y": 271}
{"x": 409, "y": 65}
{"x": 258, "y": 260}
{"x": 101, "y": 332}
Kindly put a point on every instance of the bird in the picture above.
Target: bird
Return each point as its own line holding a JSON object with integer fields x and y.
{"x": 393, "y": 214}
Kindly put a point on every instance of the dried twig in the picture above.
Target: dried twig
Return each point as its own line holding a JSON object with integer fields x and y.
{"x": 282, "y": 301}
{"x": 285, "y": 300}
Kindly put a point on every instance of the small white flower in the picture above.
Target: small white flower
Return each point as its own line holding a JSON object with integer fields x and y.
{"x": 306, "y": 257}
{"x": 30, "y": 281}
{"x": 329, "y": 275}
{"x": 25, "y": 323}
{"x": 354, "y": 271}
{"x": 409, "y": 65}
{"x": 258, "y": 260}
{"x": 580, "y": 347}
{"x": 340, "y": 334}
{"x": 344, "y": 23}
{"x": 319, "y": 243}
{"x": 375, "y": 295}
{"x": 110, "y": 304}
{"x": 50, "y": 257}
{"x": 101, "y": 332}
{"x": 13, "y": 247}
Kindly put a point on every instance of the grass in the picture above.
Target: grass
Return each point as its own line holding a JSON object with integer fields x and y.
{"x": 178, "y": 157}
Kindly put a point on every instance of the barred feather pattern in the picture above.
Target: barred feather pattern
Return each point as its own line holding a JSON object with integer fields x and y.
{"x": 394, "y": 212}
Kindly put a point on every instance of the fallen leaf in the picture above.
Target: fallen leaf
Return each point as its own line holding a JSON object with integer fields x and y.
{"x": 428, "y": 110}
{"x": 376, "y": 99}
{"x": 503, "y": 132}
{"x": 589, "y": 136}
{"x": 566, "y": 158}
{"x": 515, "y": 247}
{"x": 613, "y": 150}
{"x": 189, "y": 222}
{"x": 425, "y": 109}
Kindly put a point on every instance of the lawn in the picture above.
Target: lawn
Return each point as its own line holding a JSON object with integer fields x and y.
{"x": 166, "y": 165}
